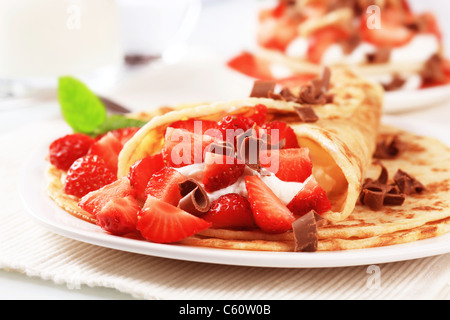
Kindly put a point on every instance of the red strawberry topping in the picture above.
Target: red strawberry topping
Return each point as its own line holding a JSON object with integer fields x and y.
{"x": 221, "y": 171}
{"x": 161, "y": 222}
{"x": 270, "y": 214}
{"x": 119, "y": 215}
{"x": 230, "y": 211}
{"x": 310, "y": 197}
{"x": 141, "y": 172}
{"x": 291, "y": 165}
{"x": 284, "y": 132}
{"x": 87, "y": 174}
{"x": 163, "y": 185}
{"x": 64, "y": 151}
{"x": 108, "y": 149}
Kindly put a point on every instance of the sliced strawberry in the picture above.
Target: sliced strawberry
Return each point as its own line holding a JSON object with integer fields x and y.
{"x": 221, "y": 171}
{"x": 125, "y": 134}
{"x": 141, "y": 172}
{"x": 291, "y": 165}
{"x": 195, "y": 125}
{"x": 252, "y": 66}
{"x": 321, "y": 40}
{"x": 276, "y": 34}
{"x": 164, "y": 185}
{"x": 119, "y": 215}
{"x": 64, "y": 151}
{"x": 108, "y": 148}
{"x": 284, "y": 132}
{"x": 230, "y": 211}
{"x": 270, "y": 214}
{"x": 182, "y": 148}
{"x": 310, "y": 197}
{"x": 87, "y": 174}
{"x": 162, "y": 222}
{"x": 94, "y": 201}
{"x": 233, "y": 125}
{"x": 256, "y": 114}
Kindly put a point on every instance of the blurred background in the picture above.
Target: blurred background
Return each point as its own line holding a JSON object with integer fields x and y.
{"x": 109, "y": 42}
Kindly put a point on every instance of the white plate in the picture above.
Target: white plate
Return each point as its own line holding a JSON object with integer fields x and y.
{"x": 39, "y": 206}
{"x": 403, "y": 101}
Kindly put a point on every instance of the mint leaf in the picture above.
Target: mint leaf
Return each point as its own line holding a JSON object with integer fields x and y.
{"x": 114, "y": 122}
{"x": 80, "y": 107}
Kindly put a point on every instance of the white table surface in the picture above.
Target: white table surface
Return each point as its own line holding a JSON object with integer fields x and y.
{"x": 211, "y": 32}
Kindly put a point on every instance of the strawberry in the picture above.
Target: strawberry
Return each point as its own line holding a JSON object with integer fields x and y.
{"x": 291, "y": 165}
{"x": 230, "y": 211}
{"x": 277, "y": 33}
{"x": 182, "y": 148}
{"x": 195, "y": 126}
{"x": 64, "y": 151}
{"x": 119, "y": 215}
{"x": 233, "y": 125}
{"x": 270, "y": 214}
{"x": 164, "y": 185}
{"x": 321, "y": 40}
{"x": 87, "y": 174}
{"x": 252, "y": 66}
{"x": 284, "y": 132}
{"x": 310, "y": 197}
{"x": 95, "y": 200}
{"x": 141, "y": 172}
{"x": 108, "y": 148}
{"x": 221, "y": 171}
{"x": 125, "y": 134}
{"x": 161, "y": 222}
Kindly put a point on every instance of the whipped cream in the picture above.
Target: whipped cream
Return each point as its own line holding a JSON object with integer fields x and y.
{"x": 285, "y": 191}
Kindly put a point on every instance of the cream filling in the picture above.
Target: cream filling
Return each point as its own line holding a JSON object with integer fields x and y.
{"x": 285, "y": 191}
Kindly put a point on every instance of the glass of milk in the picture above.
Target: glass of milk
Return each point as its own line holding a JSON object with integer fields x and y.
{"x": 157, "y": 29}
{"x": 41, "y": 40}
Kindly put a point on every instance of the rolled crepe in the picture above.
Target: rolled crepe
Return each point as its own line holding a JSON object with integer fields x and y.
{"x": 341, "y": 142}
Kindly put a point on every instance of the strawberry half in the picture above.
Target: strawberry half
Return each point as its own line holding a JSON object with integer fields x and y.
{"x": 284, "y": 132}
{"x": 125, "y": 134}
{"x": 230, "y": 211}
{"x": 291, "y": 165}
{"x": 94, "y": 201}
{"x": 252, "y": 66}
{"x": 108, "y": 148}
{"x": 195, "y": 125}
{"x": 141, "y": 172}
{"x": 270, "y": 214}
{"x": 64, "y": 151}
{"x": 310, "y": 197}
{"x": 162, "y": 222}
{"x": 182, "y": 148}
{"x": 119, "y": 215}
{"x": 163, "y": 185}
{"x": 221, "y": 171}
{"x": 87, "y": 174}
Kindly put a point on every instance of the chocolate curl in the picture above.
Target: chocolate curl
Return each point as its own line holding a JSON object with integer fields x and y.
{"x": 306, "y": 114}
{"x": 262, "y": 89}
{"x": 389, "y": 148}
{"x": 305, "y": 232}
{"x": 224, "y": 148}
{"x": 194, "y": 200}
{"x": 407, "y": 184}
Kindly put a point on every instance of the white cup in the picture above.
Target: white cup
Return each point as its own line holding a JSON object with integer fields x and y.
{"x": 157, "y": 28}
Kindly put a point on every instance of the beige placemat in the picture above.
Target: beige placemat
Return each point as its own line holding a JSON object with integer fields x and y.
{"x": 29, "y": 248}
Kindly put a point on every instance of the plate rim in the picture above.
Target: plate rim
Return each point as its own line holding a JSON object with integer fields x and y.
{"x": 30, "y": 194}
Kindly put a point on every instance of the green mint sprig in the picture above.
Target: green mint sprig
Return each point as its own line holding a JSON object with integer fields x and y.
{"x": 85, "y": 113}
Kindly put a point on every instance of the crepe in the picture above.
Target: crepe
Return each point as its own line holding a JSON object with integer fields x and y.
{"x": 342, "y": 144}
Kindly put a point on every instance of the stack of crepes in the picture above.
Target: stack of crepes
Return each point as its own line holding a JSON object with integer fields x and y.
{"x": 383, "y": 40}
{"x": 342, "y": 141}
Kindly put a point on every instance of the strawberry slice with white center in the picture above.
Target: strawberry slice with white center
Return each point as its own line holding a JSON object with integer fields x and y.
{"x": 290, "y": 165}
{"x": 221, "y": 171}
{"x": 164, "y": 185}
{"x": 310, "y": 197}
{"x": 182, "y": 147}
{"x": 94, "y": 201}
{"x": 161, "y": 222}
{"x": 119, "y": 215}
{"x": 108, "y": 149}
{"x": 270, "y": 214}
{"x": 141, "y": 172}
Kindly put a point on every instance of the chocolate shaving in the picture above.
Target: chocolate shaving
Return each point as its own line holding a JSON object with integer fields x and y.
{"x": 263, "y": 89}
{"x": 221, "y": 148}
{"x": 381, "y": 55}
{"x": 194, "y": 200}
{"x": 306, "y": 114}
{"x": 305, "y": 232}
{"x": 407, "y": 184}
{"x": 389, "y": 148}
{"x": 397, "y": 83}
{"x": 433, "y": 71}
{"x": 316, "y": 92}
